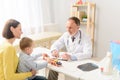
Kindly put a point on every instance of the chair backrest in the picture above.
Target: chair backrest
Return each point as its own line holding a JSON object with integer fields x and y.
{"x": 51, "y": 27}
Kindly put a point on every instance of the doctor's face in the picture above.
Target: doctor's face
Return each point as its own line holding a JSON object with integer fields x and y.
{"x": 72, "y": 27}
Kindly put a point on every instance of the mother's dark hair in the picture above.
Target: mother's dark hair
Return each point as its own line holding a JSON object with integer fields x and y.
{"x": 6, "y": 30}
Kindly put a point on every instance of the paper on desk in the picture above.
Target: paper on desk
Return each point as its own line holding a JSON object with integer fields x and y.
{"x": 39, "y": 51}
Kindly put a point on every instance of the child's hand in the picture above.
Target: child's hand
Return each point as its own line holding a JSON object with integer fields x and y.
{"x": 45, "y": 55}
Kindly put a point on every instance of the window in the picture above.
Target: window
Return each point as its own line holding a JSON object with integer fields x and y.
{"x": 27, "y": 12}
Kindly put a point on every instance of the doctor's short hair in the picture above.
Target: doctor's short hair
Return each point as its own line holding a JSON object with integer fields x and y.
{"x": 76, "y": 20}
{"x": 25, "y": 42}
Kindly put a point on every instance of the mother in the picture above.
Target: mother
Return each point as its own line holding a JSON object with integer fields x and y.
{"x": 8, "y": 58}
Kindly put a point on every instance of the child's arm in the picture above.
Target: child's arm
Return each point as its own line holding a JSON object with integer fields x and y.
{"x": 36, "y": 56}
{"x": 35, "y": 65}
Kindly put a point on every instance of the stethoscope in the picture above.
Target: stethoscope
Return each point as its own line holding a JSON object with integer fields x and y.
{"x": 79, "y": 38}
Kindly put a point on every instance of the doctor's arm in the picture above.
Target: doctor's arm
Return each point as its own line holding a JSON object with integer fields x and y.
{"x": 56, "y": 46}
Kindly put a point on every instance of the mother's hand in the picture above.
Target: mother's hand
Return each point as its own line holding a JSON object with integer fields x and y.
{"x": 33, "y": 72}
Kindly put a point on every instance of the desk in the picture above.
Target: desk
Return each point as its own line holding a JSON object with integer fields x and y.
{"x": 71, "y": 72}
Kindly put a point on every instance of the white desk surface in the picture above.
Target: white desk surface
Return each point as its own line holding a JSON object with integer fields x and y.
{"x": 69, "y": 69}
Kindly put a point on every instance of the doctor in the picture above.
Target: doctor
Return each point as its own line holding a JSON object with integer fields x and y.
{"x": 77, "y": 43}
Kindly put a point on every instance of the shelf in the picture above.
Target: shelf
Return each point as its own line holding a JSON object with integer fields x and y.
{"x": 79, "y": 5}
{"x": 83, "y": 23}
{"x": 87, "y": 9}
{"x": 84, "y": 5}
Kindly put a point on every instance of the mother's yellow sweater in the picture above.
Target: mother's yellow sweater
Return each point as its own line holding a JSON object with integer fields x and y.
{"x": 8, "y": 64}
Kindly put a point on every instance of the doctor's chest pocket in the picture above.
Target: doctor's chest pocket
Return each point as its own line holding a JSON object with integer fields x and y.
{"x": 75, "y": 48}
{"x": 79, "y": 48}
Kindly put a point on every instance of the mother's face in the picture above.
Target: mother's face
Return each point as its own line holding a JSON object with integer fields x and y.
{"x": 17, "y": 31}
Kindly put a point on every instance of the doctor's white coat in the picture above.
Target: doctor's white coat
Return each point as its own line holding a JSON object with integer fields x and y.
{"x": 81, "y": 48}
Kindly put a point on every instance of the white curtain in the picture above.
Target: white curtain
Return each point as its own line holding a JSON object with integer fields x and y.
{"x": 28, "y": 12}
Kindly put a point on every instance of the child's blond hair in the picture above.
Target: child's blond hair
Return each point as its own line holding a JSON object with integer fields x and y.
{"x": 25, "y": 42}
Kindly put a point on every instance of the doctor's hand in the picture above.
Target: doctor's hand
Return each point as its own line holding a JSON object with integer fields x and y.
{"x": 66, "y": 56}
{"x": 55, "y": 53}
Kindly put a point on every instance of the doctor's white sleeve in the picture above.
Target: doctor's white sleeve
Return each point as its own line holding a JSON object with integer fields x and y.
{"x": 59, "y": 44}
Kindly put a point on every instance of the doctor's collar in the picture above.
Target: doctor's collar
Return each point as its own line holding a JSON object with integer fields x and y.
{"x": 75, "y": 35}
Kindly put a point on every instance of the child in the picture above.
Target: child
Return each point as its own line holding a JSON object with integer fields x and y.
{"x": 27, "y": 62}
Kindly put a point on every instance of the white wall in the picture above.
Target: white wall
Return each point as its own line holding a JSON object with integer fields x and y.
{"x": 107, "y": 21}
{"x": 107, "y": 24}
